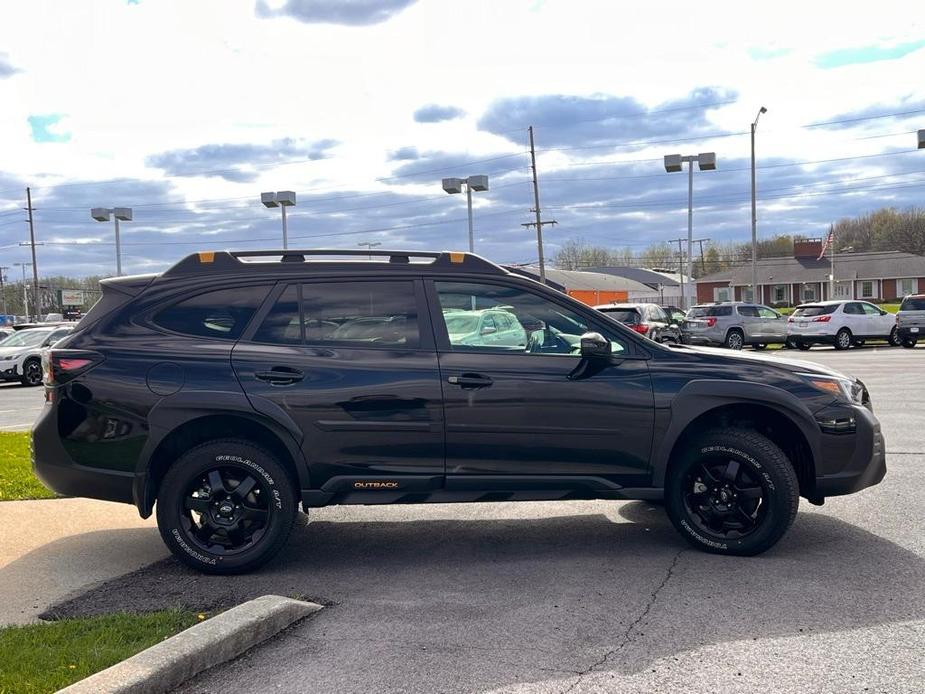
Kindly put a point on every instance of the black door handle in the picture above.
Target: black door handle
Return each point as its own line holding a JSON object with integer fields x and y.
{"x": 280, "y": 376}
{"x": 470, "y": 381}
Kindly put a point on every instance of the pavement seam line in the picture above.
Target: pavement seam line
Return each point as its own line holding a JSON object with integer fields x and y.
{"x": 628, "y": 633}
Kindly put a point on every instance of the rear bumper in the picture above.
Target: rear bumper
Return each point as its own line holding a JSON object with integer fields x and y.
{"x": 57, "y": 471}
{"x": 851, "y": 462}
{"x": 701, "y": 339}
{"x": 907, "y": 334}
{"x": 816, "y": 338}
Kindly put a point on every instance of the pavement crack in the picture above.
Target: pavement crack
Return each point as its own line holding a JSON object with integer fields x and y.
{"x": 628, "y": 636}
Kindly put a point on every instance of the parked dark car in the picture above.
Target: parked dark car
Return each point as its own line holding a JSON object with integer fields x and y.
{"x": 646, "y": 319}
{"x": 228, "y": 390}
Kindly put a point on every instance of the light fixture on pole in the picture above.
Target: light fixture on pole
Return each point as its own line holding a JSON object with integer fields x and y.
{"x": 281, "y": 199}
{"x": 104, "y": 214}
{"x": 369, "y": 246}
{"x": 755, "y": 215}
{"x": 706, "y": 161}
{"x": 921, "y": 139}
{"x": 455, "y": 185}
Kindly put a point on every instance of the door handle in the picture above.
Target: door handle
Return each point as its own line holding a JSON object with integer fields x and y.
{"x": 280, "y": 376}
{"x": 470, "y": 381}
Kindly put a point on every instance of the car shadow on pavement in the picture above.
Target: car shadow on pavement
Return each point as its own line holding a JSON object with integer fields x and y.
{"x": 569, "y": 587}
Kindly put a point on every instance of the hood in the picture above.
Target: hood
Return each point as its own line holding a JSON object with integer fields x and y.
{"x": 6, "y": 351}
{"x": 782, "y": 363}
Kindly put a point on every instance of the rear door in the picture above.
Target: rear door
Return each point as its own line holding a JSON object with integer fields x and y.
{"x": 353, "y": 364}
{"x": 773, "y": 325}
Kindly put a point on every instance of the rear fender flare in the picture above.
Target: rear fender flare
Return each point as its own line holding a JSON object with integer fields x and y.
{"x": 701, "y": 396}
{"x": 176, "y": 410}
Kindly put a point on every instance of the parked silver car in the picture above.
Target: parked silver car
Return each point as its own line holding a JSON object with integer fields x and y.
{"x": 910, "y": 321}
{"x": 734, "y": 325}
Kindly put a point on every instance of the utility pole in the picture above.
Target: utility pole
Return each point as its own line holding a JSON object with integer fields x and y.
{"x": 680, "y": 267}
{"x": 35, "y": 267}
{"x": 703, "y": 262}
{"x": 536, "y": 208}
{"x": 2, "y": 292}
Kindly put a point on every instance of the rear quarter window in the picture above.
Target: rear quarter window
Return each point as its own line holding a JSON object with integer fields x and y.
{"x": 809, "y": 311}
{"x": 221, "y": 314}
{"x": 705, "y": 311}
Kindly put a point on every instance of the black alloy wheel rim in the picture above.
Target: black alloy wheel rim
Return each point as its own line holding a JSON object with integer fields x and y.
{"x": 225, "y": 510}
{"x": 33, "y": 373}
{"x": 724, "y": 498}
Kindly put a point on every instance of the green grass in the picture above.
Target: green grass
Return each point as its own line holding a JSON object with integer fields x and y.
{"x": 46, "y": 657}
{"x": 16, "y": 478}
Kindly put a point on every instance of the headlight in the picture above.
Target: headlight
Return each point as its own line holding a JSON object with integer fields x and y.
{"x": 10, "y": 357}
{"x": 845, "y": 389}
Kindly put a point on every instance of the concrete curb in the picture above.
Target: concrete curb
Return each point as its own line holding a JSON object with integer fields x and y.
{"x": 168, "y": 664}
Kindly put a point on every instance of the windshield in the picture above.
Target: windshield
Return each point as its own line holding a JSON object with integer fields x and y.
{"x": 624, "y": 315}
{"x": 913, "y": 303}
{"x": 457, "y": 323}
{"x": 809, "y": 311}
{"x": 26, "y": 338}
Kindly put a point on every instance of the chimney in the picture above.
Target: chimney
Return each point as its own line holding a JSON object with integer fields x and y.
{"x": 810, "y": 248}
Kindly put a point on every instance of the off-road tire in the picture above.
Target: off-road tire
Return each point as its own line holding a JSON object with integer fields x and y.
{"x": 276, "y": 497}
{"x": 843, "y": 339}
{"x": 757, "y": 458}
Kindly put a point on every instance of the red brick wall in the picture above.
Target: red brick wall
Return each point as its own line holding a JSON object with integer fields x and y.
{"x": 705, "y": 291}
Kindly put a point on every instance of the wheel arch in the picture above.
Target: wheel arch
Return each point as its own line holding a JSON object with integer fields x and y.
{"x": 771, "y": 411}
{"x": 183, "y": 427}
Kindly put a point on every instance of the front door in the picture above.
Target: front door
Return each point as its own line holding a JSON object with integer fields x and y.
{"x": 532, "y": 413}
{"x": 353, "y": 365}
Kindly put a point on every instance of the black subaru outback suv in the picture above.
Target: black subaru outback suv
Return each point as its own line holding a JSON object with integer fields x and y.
{"x": 234, "y": 386}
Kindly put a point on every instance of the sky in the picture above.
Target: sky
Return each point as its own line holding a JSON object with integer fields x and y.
{"x": 187, "y": 111}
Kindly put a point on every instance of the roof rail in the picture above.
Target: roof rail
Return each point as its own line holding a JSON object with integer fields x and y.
{"x": 235, "y": 261}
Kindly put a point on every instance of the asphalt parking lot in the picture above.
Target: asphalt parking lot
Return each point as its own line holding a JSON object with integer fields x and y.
{"x": 19, "y": 406}
{"x": 590, "y": 596}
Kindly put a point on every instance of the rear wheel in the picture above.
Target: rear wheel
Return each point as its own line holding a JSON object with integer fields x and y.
{"x": 909, "y": 342}
{"x": 843, "y": 339}
{"x": 31, "y": 372}
{"x": 226, "y": 506}
{"x": 733, "y": 491}
{"x": 760, "y": 346}
{"x": 735, "y": 339}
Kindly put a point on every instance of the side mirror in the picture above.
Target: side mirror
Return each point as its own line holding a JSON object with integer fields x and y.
{"x": 595, "y": 346}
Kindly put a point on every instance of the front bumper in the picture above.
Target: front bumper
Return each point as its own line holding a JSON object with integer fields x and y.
{"x": 9, "y": 371}
{"x": 854, "y": 461}
{"x": 58, "y": 471}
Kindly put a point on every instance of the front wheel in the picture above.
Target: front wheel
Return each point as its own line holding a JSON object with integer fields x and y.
{"x": 895, "y": 339}
{"x": 733, "y": 491}
{"x": 226, "y": 507}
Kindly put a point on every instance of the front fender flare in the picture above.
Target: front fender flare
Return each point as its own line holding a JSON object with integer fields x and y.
{"x": 700, "y": 396}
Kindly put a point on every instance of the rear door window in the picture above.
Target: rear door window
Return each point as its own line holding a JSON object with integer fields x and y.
{"x": 810, "y": 311}
{"x": 748, "y": 311}
{"x": 221, "y": 314}
{"x": 359, "y": 314}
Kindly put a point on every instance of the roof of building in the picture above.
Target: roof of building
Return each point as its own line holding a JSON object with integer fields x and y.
{"x": 848, "y": 266}
{"x": 651, "y": 278}
{"x": 579, "y": 280}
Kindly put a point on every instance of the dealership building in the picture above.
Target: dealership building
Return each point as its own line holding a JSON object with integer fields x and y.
{"x": 879, "y": 276}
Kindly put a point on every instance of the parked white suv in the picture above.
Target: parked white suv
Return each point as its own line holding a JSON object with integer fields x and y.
{"x": 21, "y": 353}
{"x": 840, "y": 323}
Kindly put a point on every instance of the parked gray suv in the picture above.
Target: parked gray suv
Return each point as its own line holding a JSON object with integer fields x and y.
{"x": 734, "y": 325}
{"x": 910, "y": 321}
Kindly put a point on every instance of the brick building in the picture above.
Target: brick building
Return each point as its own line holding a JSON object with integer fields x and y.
{"x": 883, "y": 276}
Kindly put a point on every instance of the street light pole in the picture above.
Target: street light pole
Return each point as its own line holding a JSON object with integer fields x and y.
{"x": 283, "y": 199}
{"x": 2, "y": 291}
{"x": 369, "y": 246}
{"x": 755, "y": 214}
{"x": 476, "y": 183}
{"x": 706, "y": 161}
{"x": 25, "y": 293}
{"x": 117, "y": 214}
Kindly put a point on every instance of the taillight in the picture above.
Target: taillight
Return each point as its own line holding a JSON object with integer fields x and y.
{"x": 640, "y": 328}
{"x": 822, "y": 319}
{"x": 711, "y": 322}
{"x": 62, "y": 365}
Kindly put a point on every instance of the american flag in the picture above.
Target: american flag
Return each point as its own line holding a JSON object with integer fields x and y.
{"x": 829, "y": 240}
